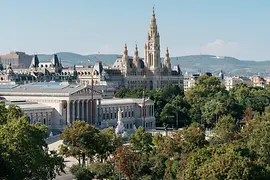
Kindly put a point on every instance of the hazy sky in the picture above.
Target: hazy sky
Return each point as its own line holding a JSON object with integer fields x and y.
{"x": 238, "y": 28}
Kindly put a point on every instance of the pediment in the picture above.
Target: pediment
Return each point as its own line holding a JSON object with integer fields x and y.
{"x": 84, "y": 92}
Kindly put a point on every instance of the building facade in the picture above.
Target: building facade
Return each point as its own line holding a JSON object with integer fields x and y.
{"x": 38, "y": 72}
{"x": 68, "y": 102}
{"x": 230, "y": 82}
{"x": 17, "y": 59}
{"x": 135, "y": 72}
{"x": 149, "y": 73}
{"x": 134, "y": 112}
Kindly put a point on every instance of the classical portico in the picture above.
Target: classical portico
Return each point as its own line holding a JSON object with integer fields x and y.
{"x": 70, "y": 102}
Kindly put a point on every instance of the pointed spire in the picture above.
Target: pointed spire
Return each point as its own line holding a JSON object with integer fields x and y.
{"x": 153, "y": 12}
{"x": 125, "y": 49}
{"x": 136, "y": 50}
{"x": 167, "y": 52}
{"x": 35, "y": 62}
{"x": 153, "y": 20}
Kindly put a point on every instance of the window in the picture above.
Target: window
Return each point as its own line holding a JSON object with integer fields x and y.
{"x": 125, "y": 114}
{"x": 129, "y": 114}
{"x": 103, "y": 116}
{"x": 111, "y": 115}
{"x": 132, "y": 113}
{"x": 115, "y": 115}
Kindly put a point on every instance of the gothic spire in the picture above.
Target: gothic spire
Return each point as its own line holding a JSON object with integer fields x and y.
{"x": 167, "y": 52}
{"x": 153, "y": 15}
{"x": 153, "y": 25}
{"x": 125, "y": 50}
{"x": 136, "y": 50}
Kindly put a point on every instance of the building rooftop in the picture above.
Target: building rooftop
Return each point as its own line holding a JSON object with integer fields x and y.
{"x": 24, "y": 105}
{"x": 53, "y": 88}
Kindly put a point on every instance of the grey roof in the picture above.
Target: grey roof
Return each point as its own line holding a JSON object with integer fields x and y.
{"x": 41, "y": 88}
{"x": 30, "y": 106}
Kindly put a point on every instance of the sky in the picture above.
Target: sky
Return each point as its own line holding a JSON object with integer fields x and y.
{"x": 240, "y": 29}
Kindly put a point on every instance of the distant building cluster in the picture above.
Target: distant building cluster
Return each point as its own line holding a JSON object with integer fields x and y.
{"x": 228, "y": 81}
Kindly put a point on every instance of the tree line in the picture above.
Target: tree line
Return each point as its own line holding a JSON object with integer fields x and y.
{"x": 232, "y": 152}
{"x": 204, "y": 103}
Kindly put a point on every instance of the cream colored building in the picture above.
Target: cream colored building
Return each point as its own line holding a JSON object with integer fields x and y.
{"x": 68, "y": 101}
{"x": 36, "y": 112}
{"x": 150, "y": 72}
{"x": 230, "y": 82}
{"x": 138, "y": 112}
{"x": 258, "y": 81}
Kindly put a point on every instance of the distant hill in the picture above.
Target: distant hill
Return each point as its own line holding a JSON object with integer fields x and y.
{"x": 190, "y": 64}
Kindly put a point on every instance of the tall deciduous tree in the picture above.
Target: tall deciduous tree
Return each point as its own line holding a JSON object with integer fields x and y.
{"x": 141, "y": 141}
{"x": 127, "y": 162}
{"x": 225, "y": 130}
{"x": 81, "y": 141}
{"x": 23, "y": 150}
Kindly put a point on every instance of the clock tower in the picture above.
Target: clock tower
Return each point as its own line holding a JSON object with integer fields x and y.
{"x": 152, "y": 47}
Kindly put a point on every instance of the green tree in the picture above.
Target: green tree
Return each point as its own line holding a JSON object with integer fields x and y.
{"x": 101, "y": 170}
{"x": 81, "y": 141}
{"x": 206, "y": 89}
{"x": 141, "y": 141}
{"x": 81, "y": 172}
{"x": 225, "y": 162}
{"x": 108, "y": 143}
{"x": 23, "y": 150}
{"x": 191, "y": 138}
{"x": 175, "y": 113}
{"x": 259, "y": 139}
{"x": 225, "y": 130}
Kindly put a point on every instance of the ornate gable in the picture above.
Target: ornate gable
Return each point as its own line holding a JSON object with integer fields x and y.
{"x": 84, "y": 92}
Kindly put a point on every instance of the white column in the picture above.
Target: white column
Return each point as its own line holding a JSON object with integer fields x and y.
{"x": 68, "y": 113}
{"x": 61, "y": 109}
{"x": 73, "y": 110}
{"x": 87, "y": 111}
{"x": 78, "y": 110}
{"x": 82, "y": 115}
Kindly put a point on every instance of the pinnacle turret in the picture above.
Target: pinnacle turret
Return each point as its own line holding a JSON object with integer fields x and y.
{"x": 136, "y": 51}
{"x": 125, "y": 50}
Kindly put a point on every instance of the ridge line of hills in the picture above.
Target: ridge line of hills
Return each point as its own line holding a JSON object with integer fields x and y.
{"x": 190, "y": 64}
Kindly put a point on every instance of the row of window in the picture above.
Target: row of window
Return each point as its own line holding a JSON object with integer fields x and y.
{"x": 114, "y": 115}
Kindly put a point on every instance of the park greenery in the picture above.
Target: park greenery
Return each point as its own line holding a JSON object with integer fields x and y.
{"x": 204, "y": 103}
{"x": 23, "y": 151}
{"x": 238, "y": 148}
